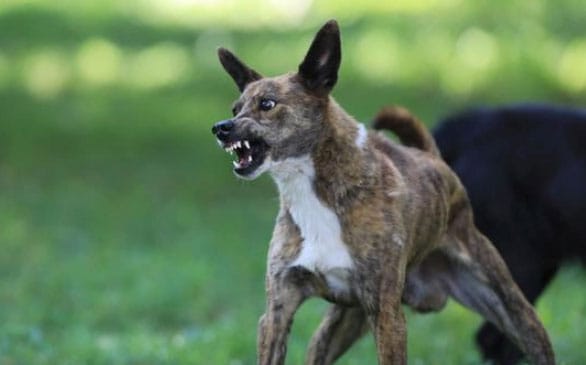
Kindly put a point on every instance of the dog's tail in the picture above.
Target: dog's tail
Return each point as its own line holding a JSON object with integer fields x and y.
{"x": 408, "y": 128}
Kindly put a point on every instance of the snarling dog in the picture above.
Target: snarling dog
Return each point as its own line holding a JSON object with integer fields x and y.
{"x": 524, "y": 168}
{"x": 366, "y": 223}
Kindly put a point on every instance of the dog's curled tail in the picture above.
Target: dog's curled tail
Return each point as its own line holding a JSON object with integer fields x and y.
{"x": 408, "y": 128}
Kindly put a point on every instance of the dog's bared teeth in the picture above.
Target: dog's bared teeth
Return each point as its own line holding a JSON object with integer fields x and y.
{"x": 247, "y": 144}
{"x": 249, "y": 159}
{"x": 236, "y": 164}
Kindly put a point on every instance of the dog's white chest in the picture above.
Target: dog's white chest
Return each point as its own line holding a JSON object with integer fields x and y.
{"x": 323, "y": 250}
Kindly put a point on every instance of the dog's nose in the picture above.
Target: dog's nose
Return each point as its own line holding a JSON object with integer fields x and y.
{"x": 221, "y": 129}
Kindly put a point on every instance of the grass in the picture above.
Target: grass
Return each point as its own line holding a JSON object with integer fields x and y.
{"x": 125, "y": 239}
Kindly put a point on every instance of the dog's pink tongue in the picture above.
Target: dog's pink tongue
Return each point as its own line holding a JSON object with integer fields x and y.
{"x": 244, "y": 158}
{"x": 243, "y": 161}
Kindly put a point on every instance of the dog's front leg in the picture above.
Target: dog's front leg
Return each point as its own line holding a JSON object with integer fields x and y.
{"x": 391, "y": 335}
{"x": 388, "y": 321}
{"x": 283, "y": 299}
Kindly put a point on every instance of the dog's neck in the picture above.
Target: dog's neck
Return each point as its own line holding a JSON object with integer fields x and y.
{"x": 337, "y": 165}
{"x": 294, "y": 178}
{"x": 342, "y": 158}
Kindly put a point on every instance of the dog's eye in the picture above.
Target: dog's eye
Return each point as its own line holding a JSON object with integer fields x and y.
{"x": 267, "y": 104}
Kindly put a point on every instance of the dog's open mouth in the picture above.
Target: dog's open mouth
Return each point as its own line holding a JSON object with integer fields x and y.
{"x": 250, "y": 154}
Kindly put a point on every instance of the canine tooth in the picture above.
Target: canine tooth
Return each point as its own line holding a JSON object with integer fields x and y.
{"x": 249, "y": 158}
{"x": 239, "y": 144}
{"x": 236, "y": 164}
{"x": 247, "y": 144}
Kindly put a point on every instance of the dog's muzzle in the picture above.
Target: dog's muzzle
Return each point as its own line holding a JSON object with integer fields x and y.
{"x": 250, "y": 150}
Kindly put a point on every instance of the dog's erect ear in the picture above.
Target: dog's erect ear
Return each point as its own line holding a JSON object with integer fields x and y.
{"x": 242, "y": 74}
{"x": 319, "y": 69}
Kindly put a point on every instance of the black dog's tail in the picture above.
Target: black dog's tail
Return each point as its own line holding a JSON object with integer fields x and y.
{"x": 408, "y": 128}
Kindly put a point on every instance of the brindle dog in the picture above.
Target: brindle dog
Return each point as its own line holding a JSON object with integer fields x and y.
{"x": 365, "y": 223}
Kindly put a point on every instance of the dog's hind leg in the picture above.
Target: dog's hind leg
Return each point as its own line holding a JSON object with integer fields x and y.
{"x": 532, "y": 276}
{"x": 477, "y": 277}
{"x": 340, "y": 328}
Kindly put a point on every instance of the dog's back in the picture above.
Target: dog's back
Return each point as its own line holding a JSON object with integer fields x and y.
{"x": 524, "y": 167}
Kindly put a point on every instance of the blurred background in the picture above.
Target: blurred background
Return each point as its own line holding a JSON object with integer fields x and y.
{"x": 124, "y": 237}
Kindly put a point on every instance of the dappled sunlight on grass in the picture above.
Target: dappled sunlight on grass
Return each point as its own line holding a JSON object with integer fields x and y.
{"x": 99, "y": 62}
{"x": 475, "y": 60}
{"x": 210, "y": 13}
{"x": 572, "y": 66}
{"x": 476, "y": 49}
{"x": 376, "y": 56}
{"x": 371, "y": 7}
{"x": 46, "y": 73}
{"x": 158, "y": 66}
{"x": 418, "y": 45}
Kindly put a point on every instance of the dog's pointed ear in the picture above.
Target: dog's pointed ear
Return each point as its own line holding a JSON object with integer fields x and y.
{"x": 241, "y": 74}
{"x": 319, "y": 69}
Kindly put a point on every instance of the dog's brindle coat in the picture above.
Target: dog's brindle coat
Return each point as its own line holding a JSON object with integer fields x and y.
{"x": 365, "y": 223}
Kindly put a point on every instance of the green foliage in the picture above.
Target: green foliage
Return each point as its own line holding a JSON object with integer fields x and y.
{"x": 124, "y": 237}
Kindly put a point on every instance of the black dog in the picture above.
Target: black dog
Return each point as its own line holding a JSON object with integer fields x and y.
{"x": 524, "y": 167}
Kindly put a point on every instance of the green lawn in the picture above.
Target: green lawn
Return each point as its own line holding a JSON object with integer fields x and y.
{"x": 124, "y": 237}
